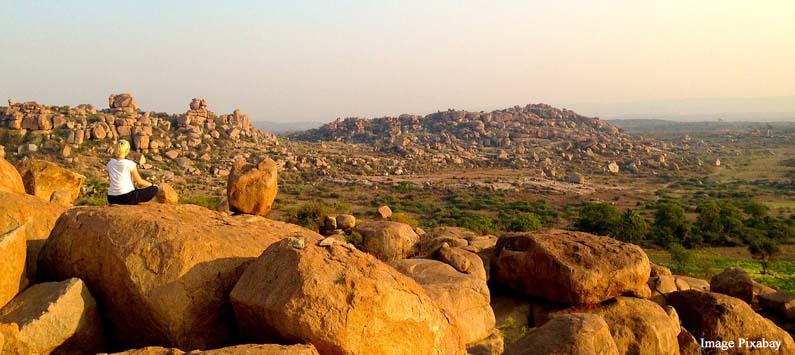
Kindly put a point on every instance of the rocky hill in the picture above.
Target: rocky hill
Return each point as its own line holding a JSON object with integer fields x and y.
{"x": 536, "y": 135}
{"x": 194, "y": 149}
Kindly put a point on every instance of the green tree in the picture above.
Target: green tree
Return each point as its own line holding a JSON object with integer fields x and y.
{"x": 670, "y": 224}
{"x": 708, "y": 224}
{"x": 732, "y": 220}
{"x": 765, "y": 250}
{"x": 600, "y": 218}
{"x": 632, "y": 227}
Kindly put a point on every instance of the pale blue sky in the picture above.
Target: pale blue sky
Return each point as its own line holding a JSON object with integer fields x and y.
{"x": 317, "y": 60}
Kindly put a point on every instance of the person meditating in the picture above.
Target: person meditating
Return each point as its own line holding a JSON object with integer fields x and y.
{"x": 122, "y": 173}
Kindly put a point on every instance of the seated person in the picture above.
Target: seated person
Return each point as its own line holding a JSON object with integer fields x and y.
{"x": 123, "y": 172}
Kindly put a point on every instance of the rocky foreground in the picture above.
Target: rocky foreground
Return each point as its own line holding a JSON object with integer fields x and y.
{"x": 165, "y": 278}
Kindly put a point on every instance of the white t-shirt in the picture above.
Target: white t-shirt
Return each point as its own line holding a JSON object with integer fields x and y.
{"x": 120, "y": 178}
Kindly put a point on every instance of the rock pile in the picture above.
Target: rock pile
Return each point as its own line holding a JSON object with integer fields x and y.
{"x": 534, "y": 136}
{"x": 197, "y": 115}
{"x": 26, "y": 116}
{"x": 122, "y": 103}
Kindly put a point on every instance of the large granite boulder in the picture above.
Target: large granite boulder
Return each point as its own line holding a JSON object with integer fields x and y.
{"x": 570, "y": 334}
{"x": 463, "y": 296}
{"x": 718, "y": 317}
{"x": 42, "y": 179}
{"x": 734, "y": 282}
{"x": 250, "y": 188}
{"x": 570, "y": 267}
{"x": 161, "y": 272}
{"x": 12, "y": 264}
{"x": 10, "y": 180}
{"x": 38, "y": 217}
{"x": 340, "y": 300}
{"x": 56, "y": 317}
{"x": 388, "y": 241}
{"x": 638, "y": 326}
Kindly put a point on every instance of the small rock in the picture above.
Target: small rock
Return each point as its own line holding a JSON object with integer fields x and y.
{"x": 346, "y": 221}
{"x": 298, "y": 243}
{"x": 384, "y": 212}
{"x": 166, "y": 194}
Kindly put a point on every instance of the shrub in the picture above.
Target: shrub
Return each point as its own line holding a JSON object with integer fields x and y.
{"x": 681, "y": 258}
{"x": 477, "y": 223}
{"x": 209, "y": 202}
{"x": 404, "y": 218}
{"x": 307, "y": 215}
{"x": 523, "y": 222}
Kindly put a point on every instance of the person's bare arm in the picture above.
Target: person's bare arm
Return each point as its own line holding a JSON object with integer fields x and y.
{"x": 138, "y": 180}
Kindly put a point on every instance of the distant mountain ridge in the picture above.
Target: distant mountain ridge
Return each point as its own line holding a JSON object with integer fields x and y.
{"x": 286, "y": 127}
{"x": 769, "y": 108}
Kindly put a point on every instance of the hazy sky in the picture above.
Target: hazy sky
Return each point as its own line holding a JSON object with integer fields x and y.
{"x": 317, "y": 60}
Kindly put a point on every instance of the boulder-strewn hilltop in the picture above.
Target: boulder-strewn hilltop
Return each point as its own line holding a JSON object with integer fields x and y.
{"x": 173, "y": 279}
{"x": 534, "y": 135}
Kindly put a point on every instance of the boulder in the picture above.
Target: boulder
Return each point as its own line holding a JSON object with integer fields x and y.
{"x": 761, "y": 289}
{"x": 569, "y": 267}
{"x": 715, "y": 316}
{"x": 11, "y": 342}
{"x": 734, "y": 282}
{"x": 166, "y": 194}
{"x": 56, "y": 317}
{"x": 782, "y": 303}
{"x": 328, "y": 223}
{"x": 38, "y": 217}
{"x": 10, "y": 180}
{"x": 692, "y": 283}
{"x": 341, "y": 300}
{"x": 638, "y": 326}
{"x": 455, "y": 257}
{"x": 251, "y": 189}
{"x": 388, "y": 241}
{"x": 462, "y": 260}
{"x": 346, "y": 221}
{"x": 613, "y": 168}
{"x": 384, "y": 212}
{"x": 464, "y": 297}
{"x": 161, "y": 272}
{"x": 12, "y": 264}
{"x": 577, "y": 178}
{"x": 42, "y": 178}
{"x": 453, "y": 236}
{"x": 247, "y": 349}
{"x": 570, "y": 334}
{"x": 659, "y": 270}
